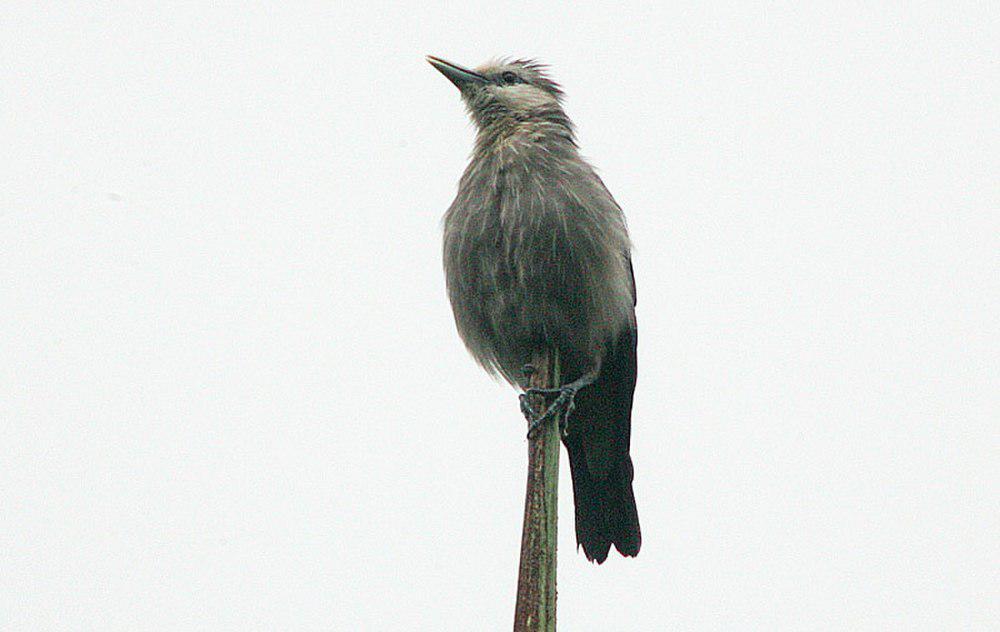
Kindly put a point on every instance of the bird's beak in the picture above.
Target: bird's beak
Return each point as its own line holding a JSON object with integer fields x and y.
{"x": 458, "y": 75}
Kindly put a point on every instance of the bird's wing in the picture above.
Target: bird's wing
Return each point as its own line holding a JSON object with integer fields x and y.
{"x": 631, "y": 274}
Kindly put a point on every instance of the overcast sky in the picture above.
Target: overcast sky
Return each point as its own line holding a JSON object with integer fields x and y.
{"x": 231, "y": 392}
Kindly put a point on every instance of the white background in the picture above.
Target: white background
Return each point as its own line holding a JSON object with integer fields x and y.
{"x": 232, "y": 396}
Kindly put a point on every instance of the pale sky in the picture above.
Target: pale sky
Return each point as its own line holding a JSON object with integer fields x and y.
{"x": 231, "y": 392}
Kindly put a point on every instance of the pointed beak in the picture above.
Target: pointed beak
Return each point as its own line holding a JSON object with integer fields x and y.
{"x": 458, "y": 75}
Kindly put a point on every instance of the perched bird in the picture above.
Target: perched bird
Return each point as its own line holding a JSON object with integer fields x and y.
{"x": 536, "y": 257}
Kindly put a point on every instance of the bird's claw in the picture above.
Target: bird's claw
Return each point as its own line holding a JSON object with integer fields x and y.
{"x": 526, "y": 409}
{"x": 561, "y": 408}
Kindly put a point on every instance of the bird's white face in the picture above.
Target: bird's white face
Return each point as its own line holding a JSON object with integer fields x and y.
{"x": 514, "y": 86}
{"x": 502, "y": 90}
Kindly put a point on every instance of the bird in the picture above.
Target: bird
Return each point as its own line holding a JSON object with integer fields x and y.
{"x": 537, "y": 256}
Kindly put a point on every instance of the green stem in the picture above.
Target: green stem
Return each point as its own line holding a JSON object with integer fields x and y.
{"x": 536, "y": 582}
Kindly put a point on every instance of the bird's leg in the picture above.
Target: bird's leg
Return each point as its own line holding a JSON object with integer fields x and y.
{"x": 562, "y": 406}
{"x": 527, "y": 371}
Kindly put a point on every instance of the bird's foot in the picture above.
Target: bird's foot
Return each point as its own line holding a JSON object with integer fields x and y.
{"x": 526, "y": 409}
{"x": 560, "y": 408}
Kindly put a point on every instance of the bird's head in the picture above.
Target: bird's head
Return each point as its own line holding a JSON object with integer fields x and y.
{"x": 504, "y": 93}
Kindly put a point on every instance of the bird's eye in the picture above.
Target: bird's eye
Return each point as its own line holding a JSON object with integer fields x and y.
{"x": 509, "y": 77}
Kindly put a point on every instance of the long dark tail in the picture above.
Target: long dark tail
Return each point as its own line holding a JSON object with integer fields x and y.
{"x": 598, "y": 447}
{"x": 605, "y": 509}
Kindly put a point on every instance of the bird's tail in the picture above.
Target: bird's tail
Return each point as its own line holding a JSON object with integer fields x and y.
{"x": 605, "y": 507}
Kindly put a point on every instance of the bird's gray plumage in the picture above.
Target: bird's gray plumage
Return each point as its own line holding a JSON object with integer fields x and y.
{"x": 536, "y": 255}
